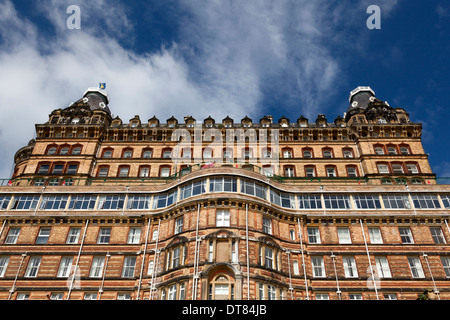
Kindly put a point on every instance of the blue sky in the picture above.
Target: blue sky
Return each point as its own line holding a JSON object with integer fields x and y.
{"x": 219, "y": 58}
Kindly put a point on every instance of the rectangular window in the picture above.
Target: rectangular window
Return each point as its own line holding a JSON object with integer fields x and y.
{"x": 393, "y": 201}
{"x": 337, "y": 201}
{"x": 58, "y": 168}
{"x": 138, "y": 202}
{"x": 261, "y": 291}
{"x": 179, "y": 225}
{"x": 367, "y": 201}
{"x": 123, "y": 171}
{"x": 271, "y": 292}
{"x": 375, "y": 235}
{"x": 438, "y": 235}
{"x": 57, "y": 296}
{"x": 223, "y": 185}
{"x": 295, "y": 267}
{"x": 4, "y": 202}
{"x": 397, "y": 168}
{"x": 74, "y": 235}
{"x": 268, "y": 257}
{"x": 192, "y": 189}
{"x": 97, "y": 267}
{"x": 310, "y": 172}
{"x": 129, "y": 264}
{"x": 322, "y": 296}
{"x": 313, "y": 235}
{"x": 134, "y": 235}
{"x": 344, "y": 235}
{"x": 223, "y": 218}
{"x": 111, "y": 202}
{"x": 331, "y": 172}
{"x": 289, "y": 172}
{"x": 82, "y": 202}
{"x": 103, "y": 172}
{"x": 23, "y": 296}
{"x": 318, "y": 267}
{"x": 25, "y": 202}
{"x": 90, "y": 296}
{"x": 172, "y": 294}
{"x": 425, "y": 201}
{"x": 412, "y": 169}
{"x": 53, "y": 203}
{"x": 383, "y": 168}
{"x": 144, "y": 172}
{"x": 309, "y": 202}
{"x": 445, "y": 200}
{"x": 284, "y": 200}
{"x": 254, "y": 189}
{"x": 43, "y": 236}
{"x": 3, "y": 265}
{"x": 165, "y": 199}
{"x": 33, "y": 267}
{"x": 406, "y": 235}
{"x": 355, "y": 296}
{"x": 350, "y": 269}
{"x": 72, "y": 169}
{"x": 104, "y": 235}
{"x": 383, "y": 267}
{"x": 389, "y": 296}
{"x": 446, "y": 265}
{"x": 43, "y": 169}
{"x": 65, "y": 267}
{"x": 165, "y": 172}
{"x": 416, "y": 267}
{"x": 351, "y": 172}
{"x": 12, "y": 236}
{"x": 123, "y": 296}
{"x": 267, "y": 225}
{"x": 175, "y": 258}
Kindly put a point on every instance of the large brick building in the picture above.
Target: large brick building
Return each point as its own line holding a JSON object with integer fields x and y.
{"x": 101, "y": 209}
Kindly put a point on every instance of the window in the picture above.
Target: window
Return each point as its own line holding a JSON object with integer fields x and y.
{"x": 318, "y": 267}
{"x": 331, "y": 172}
{"x": 322, "y": 296}
{"x": 25, "y": 202}
{"x": 284, "y": 200}
{"x": 192, "y": 189}
{"x": 167, "y": 154}
{"x": 310, "y": 171}
{"x": 383, "y": 168}
{"x": 383, "y": 267}
{"x": 23, "y": 296}
{"x": 51, "y": 151}
{"x": 350, "y": 269}
{"x": 367, "y": 201}
{"x": 223, "y": 218}
{"x": 295, "y": 267}
{"x": 72, "y": 169}
{"x": 165, "y": 199}
{"x": 104, "y": 235}
{"x": 123, "y": 171}
{"x": 425, "y": 201}
{"x": 253, "y": 188}
{"x": 313, "y": 235}
{"x": 43, "y": 235}
{"x": 287, "y": 153}
{"x": 138, "y": 202}
{"x": 337, "y": 201}
{"x": 223, "y": 185}
{"x": 43, "y": 169}
{"x": 227, "y": 154}
{"x": 406, "y": 235}
{"x": 103, "y": 172}
{"x": 446, "y": 265}
{"x": 97, "y": 267}
{"x": 375, "y": 235}
{"x": 352, "y": 172}
{"x": 404, "y": 151}
{"x": 355, "y": 296}
{"x": 416, "y": 267}
{"x": 90, "y": 296}
{"x": 33, "y": 267}
{"x": 389, "y": 296}
{"x": 53, "y": 203}
{"x": 76, "y": 151}
{"x": 391, "y": 150}
{"x": 309, "y": 202}
{"x": 267, "y": 225}
{"x": 445, "y": 200}
{"x": 134, "y": 235}
{"x": 127, "y": 154}
{"x": 397, "y": 168}
{"x": 147, "y": 154}
{"x": 129, "y": 264}
{"x": 74, "y": 235}
{"x": 327, "y": 154}
{"x": 379, "y": 151}
{"x": 307, "y": 154}
{"x": 437, "y": 235}
{"x": 111, "y": 202}
{"x": 4, "y": 202}
{"x": 207, "y": 153}
{"x": 123, "y": 296}
{"x": 107, "y": 153}
{"x": 151, "y": 267}
{"x": 412, "y": 169}
{"x": 172, "y": 293}
{"x": 268, "y": 258}
{"x": 12, "y": 236}
{"x": 3, "y": 265}
{"x": 267, "y": 171}
{"x": 344, "y": 235}
{"x": 289, "y": 171}
{"x": 396, "y": 202}
{"x": 82, "y": 202}
{"x": 58, "y": 168}
{"x": 164, "y": 172}
{"x": 179, "y": 225}
{"x": 347, "y": 153}
{"x": 65, "y": 267}
{"x": 271, "y": 292}
{"x": 64, "y": 150}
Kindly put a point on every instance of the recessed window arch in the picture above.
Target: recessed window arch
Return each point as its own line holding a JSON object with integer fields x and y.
{"x": 123, "y": 171}
{"x": 107, "y": 153}
{"x": 391, "y": 149}
{"x": 347, "y": 153}
{"x": 51, "y": 150}
{"x": 166, "y": 153}
{"x": 327, "y": 153}
{"x": 127, "y": 153}
{"x": 288, "y": 153}
{"x": 221, "y": 287}
{"x": 147, "y": 153}
{"x": 76, "y": 149}
{"x": 404, "y": 150}
{"x": 64, "y": 149}
{"x": 331, "y": 171}
{"x": 307, "y": 153}
{"x": 103, "y": 171}
{"x": 379, "y": 149}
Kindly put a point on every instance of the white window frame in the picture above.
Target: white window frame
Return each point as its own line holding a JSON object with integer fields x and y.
{"x": 416, "y": 267}
{"x": 383, "y": 268}
{"x": 375, "y": 235}
{"x": 344, "y": 235}
{"x": 33, "y": 267}
{"x": 318, "y": 267}
{"x": 97, "y": 266}
{"x": 134, "y": 235}
{"x": 222, "y": 218}
{"x": 65, "y": 267}
{"x": 350, "y": 269}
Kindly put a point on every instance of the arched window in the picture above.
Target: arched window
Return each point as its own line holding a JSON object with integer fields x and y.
{"x": 102, "y": 171}
{"x": 127, "y": 153}
{"x": 123, "y": 171}
{"x": 404, "y": 150}
{"x": 327, "y": 153}
{"x": 379, "y": 150}
{"x": 391, "y": 150}
{"x": 310, "y": 171}
{"x": 147, "y": 153}
{"x": 167, "y": 153}
{"x": 107, "y": 153}
{"x": 287, "y": 153}
{"x": 76, "y": 150}
{"x": 52, "y": 150}
{"x": 352, "y": 171}
{"x": 347, "y": 153}
{"x": 307, "y": 153}
{"x": 221, "y": 287}
{"x": 64, "y": 150}
{"x": 331, "y": 171}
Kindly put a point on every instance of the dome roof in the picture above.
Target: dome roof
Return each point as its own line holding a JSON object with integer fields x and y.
{"x": 96, "y": 99}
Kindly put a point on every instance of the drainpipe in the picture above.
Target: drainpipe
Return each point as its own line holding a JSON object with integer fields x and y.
{"x": 290, "y": 278}
{"x": 155, "y": 263}
{"x": 303, "y": 257}
{"x": 78, "y": 260}
{"x": 432, "y": 278}
{"x": 335, "y": 272}
{"x": 143, "y": 260}
{"x": 17, "y": 275}
{"x": 368, "y": 257}
{"x": 195, "y": 277}
{"x": 248, "y": 255}
{"x": 100, "y": 290}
